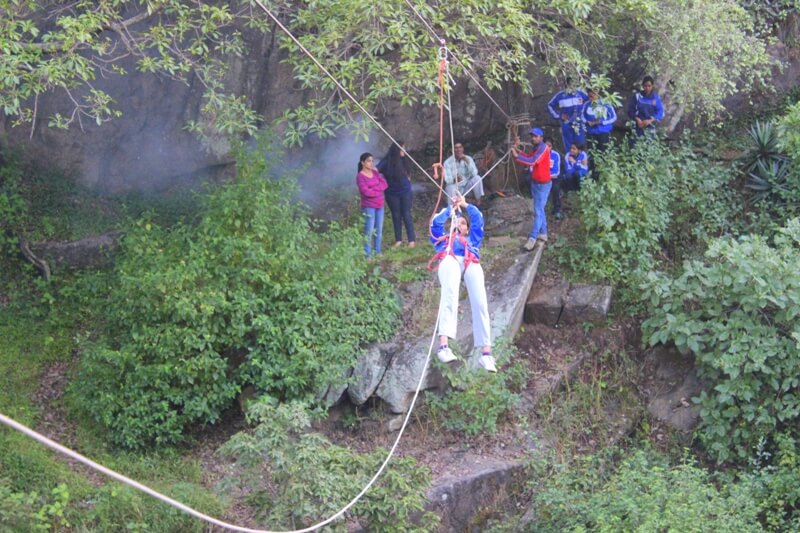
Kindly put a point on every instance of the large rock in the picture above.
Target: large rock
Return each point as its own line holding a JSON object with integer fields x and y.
{"x": 89, "y": 252}
{"x": 476, "y": 486}
{"x": 369, "y": 371}
{"x": 545, "y": 303}
{"x": 673, "y": 384}
{"x": 508, "y": 282}
{"x": 586, "y": 303}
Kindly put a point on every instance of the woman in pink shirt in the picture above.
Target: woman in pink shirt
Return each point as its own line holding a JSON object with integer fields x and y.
{"x": 371, "y": 185}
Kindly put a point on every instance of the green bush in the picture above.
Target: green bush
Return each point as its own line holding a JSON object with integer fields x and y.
{"x": 254, "y": 293}
{"x": 644, "y": 493}
{"x": 774, "y": 483}
{"x": 478, "y": 400}
{"x": 310, "y": 479}
{"x": 647, "y": 197}
{"x": 13, "y": 210}
{"x": 20, "y": 511}
{"x": 737, "y": 311}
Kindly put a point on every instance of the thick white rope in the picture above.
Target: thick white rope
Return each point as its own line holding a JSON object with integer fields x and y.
{"x": 211, "y": 520}
{"x": 466, "y": 70}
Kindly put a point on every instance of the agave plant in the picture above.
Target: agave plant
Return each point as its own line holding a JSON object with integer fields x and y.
{"x": 765, "y": 148}
{"x": 769, "y": 180}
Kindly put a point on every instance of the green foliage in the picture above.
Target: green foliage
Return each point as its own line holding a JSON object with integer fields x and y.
{"x": 718, "y": 39}
{"x": 13, "y": 211}
{"x": 21, "y": 511}
{"x": 478, "y": 400}
{"x": 647, "y": 197}
{"x": 255, "y": 293}
{"x": 310, "y": 479}
{"x": 52, "y": 48}
{"x": 737, "y": 312}
{"x": 643, "y": 493}
{"x": 774, "y": 483}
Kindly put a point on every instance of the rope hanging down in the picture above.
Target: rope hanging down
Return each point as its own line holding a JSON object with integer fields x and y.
{"x": 466, "y": 70}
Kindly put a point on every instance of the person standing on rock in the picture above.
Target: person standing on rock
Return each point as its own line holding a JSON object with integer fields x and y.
{"x": 538, "y": 161}
{"x": 458, "y": 250}
{"x": 394, "y": 166}
{"x": 371, "y": 186}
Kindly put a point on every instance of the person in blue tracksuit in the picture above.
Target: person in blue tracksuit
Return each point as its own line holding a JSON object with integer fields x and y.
{"x": 555, "y": 179}
{"x": 576, "y": 166}
{"x": 599, "y": 118}
{"x": 645, "y": 108}
{"x": 566, "y": 107}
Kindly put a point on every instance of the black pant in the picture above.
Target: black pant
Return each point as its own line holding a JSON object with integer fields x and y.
{"x": 596, "y": 144}
{"x": 555, "y": 195}
{"x": 400, "y": 206}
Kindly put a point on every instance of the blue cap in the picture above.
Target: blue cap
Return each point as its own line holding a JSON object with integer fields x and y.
{"x": 537, "y": 131}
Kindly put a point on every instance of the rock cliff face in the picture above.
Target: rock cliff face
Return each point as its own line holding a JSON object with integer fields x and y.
{"x": 148, "y": 147}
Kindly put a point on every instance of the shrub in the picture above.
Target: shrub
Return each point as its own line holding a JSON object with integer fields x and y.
{"x": 644, "y": 493}
{"x": 737, "y": 312}
{"x": 310, "y": 479}
{"x": 253, "y": 294}
{"x": 478, "y": 399}
{"x": 646, "y": 197}
{"x": 13, "y": 210}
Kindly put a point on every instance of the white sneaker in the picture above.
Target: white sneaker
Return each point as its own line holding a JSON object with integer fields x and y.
{"x": 487, "y": 362}
{"x": 446, "y": 355}
{"x": 529, "y": 245}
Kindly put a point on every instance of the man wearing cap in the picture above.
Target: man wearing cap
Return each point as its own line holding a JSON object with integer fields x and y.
{"x": 538, "y": 160}
{"x": 461, "y": 175}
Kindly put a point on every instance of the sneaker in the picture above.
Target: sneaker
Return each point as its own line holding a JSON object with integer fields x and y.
{"x": 487, "y": 362}
{"x": 398, "y": 244}
{"x": 446, "y": 355}
{"x": 412, "y": 244}
{"x": 528, "y": 246}
{"x": 542, "y": 237}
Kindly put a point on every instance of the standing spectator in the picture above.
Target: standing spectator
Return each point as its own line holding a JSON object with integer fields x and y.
{"x": 459, "y": 253}
{"x": 460, "y": 174}
{"x": 645, "y": 108}
{"x": 555, "y": 178}
{"x": 538, "y": 160}
{"x": 566, "y": 107}
{"x": 576, "y": 166}
{"x": 599, "y": 118}
{"x": 371, "y": 186}
{"x": 394, "y": 166}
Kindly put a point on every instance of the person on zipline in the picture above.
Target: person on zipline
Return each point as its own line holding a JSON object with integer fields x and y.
{"x": 460, "y": 174}
{"x": 458, "y": 250}
{"x": 371, "y": 185}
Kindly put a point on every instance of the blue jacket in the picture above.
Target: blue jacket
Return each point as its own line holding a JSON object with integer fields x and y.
{"x": 645, "y": 107}
{"x": 579, "y": 167}
{"x": 474, "y": 238}
{"x": 569, "y": 102}
{"x": 602, "y": 112}
{"x": 555, "y": 164}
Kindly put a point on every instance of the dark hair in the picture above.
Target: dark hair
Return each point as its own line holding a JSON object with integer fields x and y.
{"x": 548, "y": 140}
{"x": 361, "y": 160}
{"x": 393, "y": 166}
{"x": 648, "y": 79}
{"x": 579, "y": 146}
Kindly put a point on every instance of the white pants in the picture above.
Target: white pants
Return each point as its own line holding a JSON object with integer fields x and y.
{"x": 450, "y": 270}
{"x": 451, "y": 188}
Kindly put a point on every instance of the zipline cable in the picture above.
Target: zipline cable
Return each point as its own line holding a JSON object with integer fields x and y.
{"x": 466, "y": 70}
{"x": 341, "y": 87}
